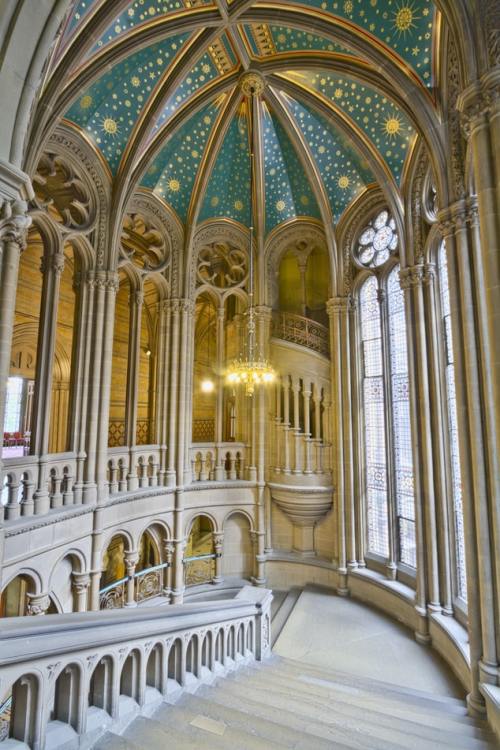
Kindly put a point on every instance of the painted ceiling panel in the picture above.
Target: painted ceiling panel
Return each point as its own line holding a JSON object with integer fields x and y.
{"x": 229, "y": 186}
{"x": 383, "y": 122}
{"x": 108, "y": 110}
{"x": 137, "y": 12}
{"x": 345, "y": 174}
{"x": 202, "y": 73}
{"x": 404, "y": 25}
{"x": 173, "y": 172}
{"x": 288, "y": 192}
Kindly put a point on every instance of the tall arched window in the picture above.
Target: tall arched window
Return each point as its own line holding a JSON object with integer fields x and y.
{"x": 451, "y": 406}
{"x": 388, "y": 462}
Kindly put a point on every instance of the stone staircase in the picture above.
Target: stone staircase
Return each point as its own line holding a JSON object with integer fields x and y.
{"x": 282, "y": 703}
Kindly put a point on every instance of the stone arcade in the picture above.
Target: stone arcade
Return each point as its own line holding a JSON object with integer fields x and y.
{"x": 153, "y": 152}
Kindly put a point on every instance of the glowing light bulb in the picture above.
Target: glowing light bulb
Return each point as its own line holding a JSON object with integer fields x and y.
{"x": 207, "y": 386}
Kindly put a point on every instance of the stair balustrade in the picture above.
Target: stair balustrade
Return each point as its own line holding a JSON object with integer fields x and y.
{"x": 68, "y": 679}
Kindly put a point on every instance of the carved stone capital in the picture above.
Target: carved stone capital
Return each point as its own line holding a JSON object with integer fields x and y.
{"x": 218, "y": 539}
{"x": 81, "y": 582}
{"x": 186, "y": 306}
{"x": 168, "y": 549}
{"x": 38, "y": 604}
{"x": 415, "y": 276}
{"x": 131, "y": 559}
{"x": 338, "y": 305}
{"x": 263, "y": 313}
{"x": 14, "y": 222}
{"x": 52, "y": 264}
{"x": 479, "y": 101}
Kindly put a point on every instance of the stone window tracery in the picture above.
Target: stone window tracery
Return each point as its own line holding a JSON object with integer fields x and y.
{"x": 386, "y": 428}
{"x": 377, "y": 242}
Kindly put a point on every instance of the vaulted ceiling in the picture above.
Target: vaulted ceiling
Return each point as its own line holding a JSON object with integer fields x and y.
{"x": 156, "y": 90}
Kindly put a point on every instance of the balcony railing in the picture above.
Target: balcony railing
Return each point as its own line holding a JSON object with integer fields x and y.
{"x": 302, "y": 331}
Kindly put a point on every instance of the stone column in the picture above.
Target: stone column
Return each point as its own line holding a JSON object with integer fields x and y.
{"x": 218, "y": 538}
{"x": 173, "y": 405}
{"x": 465, "y": 307}
{"x": 297, "y": 464}
{"x": 286, "y": 424}
{"x": 219, "y": 414}
{"x": 337, "y": 308}
{"x": 162, "y": 385}
{"x": 80, "y": 587}
{"x": 278, "y": 429}
{"x": 38, "y": 604}
{"x": 427, "y": 596}
{"x": 306, "y": 395}
{"x": 110, "y": 284}
{"x": 52, "y": 267}
{"x": 131, "y": 560}
{"x": 167, "y": 572}
{"x": 136, "y": 302}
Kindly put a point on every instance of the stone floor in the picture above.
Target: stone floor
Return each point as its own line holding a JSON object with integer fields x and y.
{"x": 337, "y": 633}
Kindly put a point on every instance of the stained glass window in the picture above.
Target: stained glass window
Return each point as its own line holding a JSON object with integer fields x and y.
{"x": 401, "y": 425}
{"x": 374, "y": 419}
{"x": 456, "y": 481}
{"x": 378, "y": 241}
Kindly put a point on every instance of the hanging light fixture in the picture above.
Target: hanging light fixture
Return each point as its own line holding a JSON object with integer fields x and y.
{"x": 251, "y": 369}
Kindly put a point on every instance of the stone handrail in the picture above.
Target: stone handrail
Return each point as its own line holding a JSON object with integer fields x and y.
{"x": 74, "y": 677}
{"x": 217, "y": 462}
{"x": 302, "y": 331}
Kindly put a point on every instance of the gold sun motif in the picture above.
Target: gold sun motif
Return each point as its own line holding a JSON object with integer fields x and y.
{"x": 344, "y": 182}
{"x": 174, "y": 185}
{"x": 392, "y": 127}
{"x": 135, "y": 81}
{"x": 85, "y": 101}
{"x": 238, "y": 205}
{"x": 338, "y": 93}
{"x": 215, "y": 201}
{"x": 404, "y": 18}
{"x": 280, "y": 206}
{"x": 110, "y": 126}
{"x": 304, "y": 200}
{"x": 348, "y": 6}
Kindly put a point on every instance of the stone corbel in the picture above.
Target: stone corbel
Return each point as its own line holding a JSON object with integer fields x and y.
{"x": 38, "y": 604}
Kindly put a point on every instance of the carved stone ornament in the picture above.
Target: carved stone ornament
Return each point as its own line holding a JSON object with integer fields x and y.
{"x": 216, "y": 232}
{"x": 221, "y": 265}
{"x": 61, "y": 192}
{"x": 415, "y": 276}
{"x": 38, "y": 604}
{"x": 14, "y": 222}
{"x": 252, "y": 84}
{"x": 143, "y": 245}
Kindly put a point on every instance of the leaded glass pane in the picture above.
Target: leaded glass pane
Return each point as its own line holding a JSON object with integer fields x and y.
{"x": 374, "y": 420}
{"x": 377, "y": 241}
{"x": 453, "y": 428}
{"x": 401, "y": 424}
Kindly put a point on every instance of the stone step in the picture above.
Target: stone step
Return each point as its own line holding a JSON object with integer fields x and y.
{"x": 407, "y": 734}
{"x": 366, "y": 708}
{"x": 439, "y": 702}
{"x": 265, "y": 730}
{"x": 202, "y": 730}
{"x": 110, "y": 741}
{"x": 332, "y": 692}
{"x": 338, "y": 732}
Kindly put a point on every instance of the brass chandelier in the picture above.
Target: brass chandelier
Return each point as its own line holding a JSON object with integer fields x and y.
{"x": 251, "y": 369}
